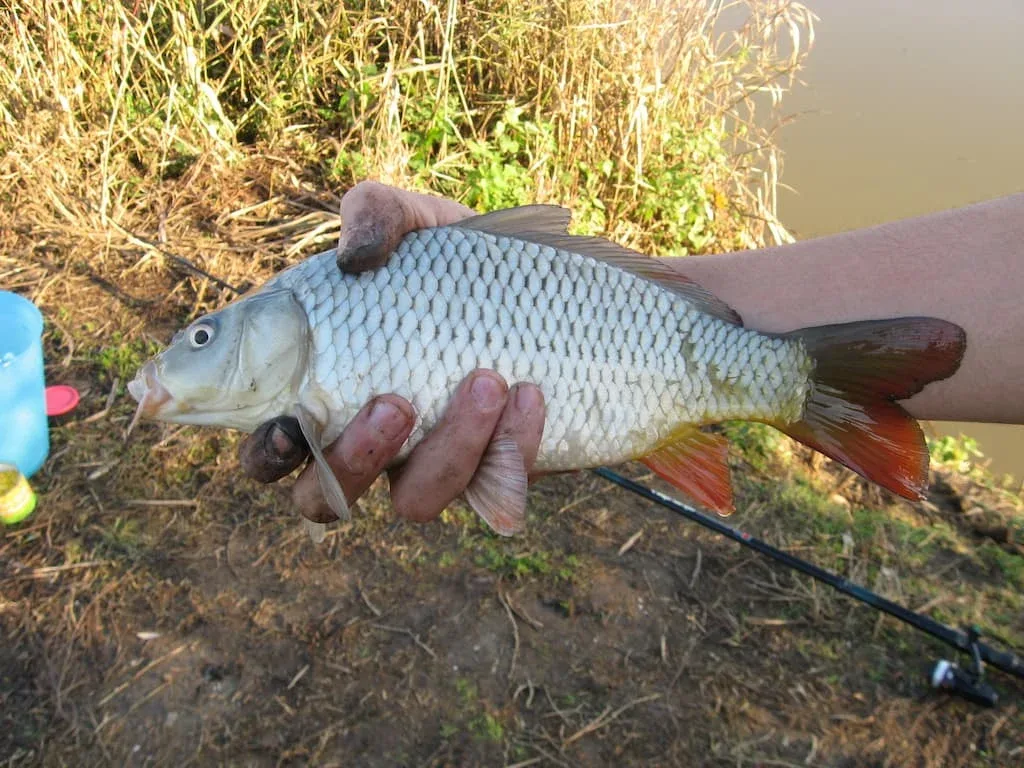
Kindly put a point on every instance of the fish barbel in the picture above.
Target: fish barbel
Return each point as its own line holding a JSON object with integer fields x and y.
{"x": 632, "y": 357}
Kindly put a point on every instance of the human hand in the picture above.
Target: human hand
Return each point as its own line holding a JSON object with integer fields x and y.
{"x": 483, "y": 408}
{"x": 438, "y": 470}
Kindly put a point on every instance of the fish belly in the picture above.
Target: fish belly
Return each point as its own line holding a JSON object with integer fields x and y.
{"x": 623, "y": 362}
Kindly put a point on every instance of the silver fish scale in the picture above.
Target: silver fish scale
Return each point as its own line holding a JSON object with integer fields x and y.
{"x": 622, "y": 362}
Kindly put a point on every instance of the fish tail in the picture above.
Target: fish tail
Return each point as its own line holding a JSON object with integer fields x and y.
{"x": 860, "y": 370}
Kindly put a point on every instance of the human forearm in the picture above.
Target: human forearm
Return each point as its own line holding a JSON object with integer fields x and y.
{"x": 965, "y": 266}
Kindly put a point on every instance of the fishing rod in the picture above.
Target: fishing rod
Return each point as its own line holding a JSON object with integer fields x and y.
{"x": 945, "y": 675}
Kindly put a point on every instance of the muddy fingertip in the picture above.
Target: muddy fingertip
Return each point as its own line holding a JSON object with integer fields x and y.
{"x": 275, "y": 450}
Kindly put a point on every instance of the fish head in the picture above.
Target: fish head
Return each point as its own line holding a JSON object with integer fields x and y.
{"x": 234, "y": 368}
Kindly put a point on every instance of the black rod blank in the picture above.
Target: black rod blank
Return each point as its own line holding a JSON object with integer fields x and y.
{"x": 1007, "y": 662}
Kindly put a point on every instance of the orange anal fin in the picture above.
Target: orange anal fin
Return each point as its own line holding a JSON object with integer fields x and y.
{"x": 697, "y": 464}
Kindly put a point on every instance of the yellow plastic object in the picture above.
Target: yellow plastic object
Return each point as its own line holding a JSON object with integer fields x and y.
{"x": 17, "y": 499}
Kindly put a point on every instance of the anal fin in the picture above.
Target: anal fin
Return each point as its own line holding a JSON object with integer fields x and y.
{"x": 696, "y": 463}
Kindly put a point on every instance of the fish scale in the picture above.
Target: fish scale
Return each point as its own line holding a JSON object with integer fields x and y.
{"x": 607, "y": 399}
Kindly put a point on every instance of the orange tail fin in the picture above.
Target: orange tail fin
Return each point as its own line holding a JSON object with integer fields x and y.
{"x": 861, "y": 369}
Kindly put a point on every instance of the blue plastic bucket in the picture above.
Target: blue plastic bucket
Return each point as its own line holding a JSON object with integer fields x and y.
{"x": 24, "y": 432}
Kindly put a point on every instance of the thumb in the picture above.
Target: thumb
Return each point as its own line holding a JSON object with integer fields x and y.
{"x": 375, "y": 218}
{"x": 275, "y": 450}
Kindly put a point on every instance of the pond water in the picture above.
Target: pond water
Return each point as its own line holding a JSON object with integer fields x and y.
{"x": 908, "y": 107}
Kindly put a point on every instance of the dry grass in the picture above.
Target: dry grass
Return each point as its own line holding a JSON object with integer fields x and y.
{"x": 132, "y": 123}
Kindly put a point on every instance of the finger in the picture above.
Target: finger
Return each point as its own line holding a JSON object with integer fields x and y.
{"x": 441, "y": 466}
{"x": 275, "y": 450}
{"x": 368, "y": 444}
{"x": 523, "y": 421}
{"x": 375, "y": 218}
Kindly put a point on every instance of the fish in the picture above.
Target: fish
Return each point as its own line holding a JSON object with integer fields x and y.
{"x": 635, "y": 361}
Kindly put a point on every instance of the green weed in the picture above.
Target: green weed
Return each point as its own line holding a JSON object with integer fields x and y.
{"x": 513, "y": 565}
{"x": 957, "y": 453}
{"x": 758, "y": 443}
{"x": 486, "y": 727}
{"x": 1009, "y": 565}
{"x": 496, "y": 555}
{"x": 122, "y": 359}
{"x": 478, "y": 721}
{"x": 122, "y": 539}
{"x": 466, "y": 689}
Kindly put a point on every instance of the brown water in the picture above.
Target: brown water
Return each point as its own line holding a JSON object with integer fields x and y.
{"x": 909, "y": 107}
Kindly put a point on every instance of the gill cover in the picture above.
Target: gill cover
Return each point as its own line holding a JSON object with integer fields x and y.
{"x": 233, "y": 368}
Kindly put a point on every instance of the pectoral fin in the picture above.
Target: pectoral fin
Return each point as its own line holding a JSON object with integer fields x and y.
{"x": 498, "y": 490}
{"x": 333, "y": 493}
{"x": 696, "y": 463}
{"x": 317, "y": 531}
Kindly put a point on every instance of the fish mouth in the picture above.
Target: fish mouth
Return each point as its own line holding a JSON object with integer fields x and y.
{"x": 151, "y": 395}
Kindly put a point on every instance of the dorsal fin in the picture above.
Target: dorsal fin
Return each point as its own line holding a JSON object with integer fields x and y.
{"x": 513, "y": 222}
{"x": 548, "y": 225}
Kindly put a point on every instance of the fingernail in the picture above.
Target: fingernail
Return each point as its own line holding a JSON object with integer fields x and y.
{"x": 487, "y": 392}
{"x": 528, "y": 398}
{"x": 387, "y": 419}
{"x": 281, "y": 442}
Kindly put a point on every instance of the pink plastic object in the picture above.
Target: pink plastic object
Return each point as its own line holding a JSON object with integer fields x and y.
{"x": 60, "y": 399}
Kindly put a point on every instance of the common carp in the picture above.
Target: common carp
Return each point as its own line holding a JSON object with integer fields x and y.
{"x": 632, "y": 357}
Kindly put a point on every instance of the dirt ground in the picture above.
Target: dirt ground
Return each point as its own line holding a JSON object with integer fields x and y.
{"x": 161, "y": 610}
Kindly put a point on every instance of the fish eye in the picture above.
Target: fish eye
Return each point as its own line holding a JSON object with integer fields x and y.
{"x": 200, "y": 335}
